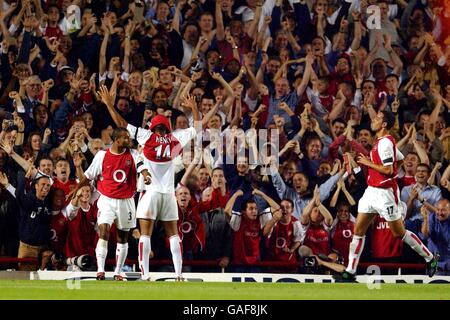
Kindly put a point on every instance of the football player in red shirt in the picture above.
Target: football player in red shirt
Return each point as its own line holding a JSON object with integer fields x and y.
{"x": 382, "y": 197}
{"x": 115, "y": 171}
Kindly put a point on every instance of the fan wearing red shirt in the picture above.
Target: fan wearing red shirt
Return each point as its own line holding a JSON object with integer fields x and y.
{"x": 58, "y": 221}
{"x": 342, "y": 230}
{"x": 382, "y": 197}
{"x": 82, "y": 219}
{"x": 285, "y": 237}
{"x": 115, "y": 171}
{"x": 52, "y": 30}
{"x": 191, "y": 228}
{"x": 247, "y": 226}
{"x": 316, "y": 223}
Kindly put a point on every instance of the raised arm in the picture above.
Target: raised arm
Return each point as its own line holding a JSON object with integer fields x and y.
{"x": 432, "y": 179}
{"x": 191, "y": 167}
{"x": 26, "y": 166}
{"x": 425, "y": 227}
{"x": 273, "y": 205}
{"x": 396, "y": 61}
{"x": 356, "y": 43}
{"x": 108, "y": 100}
{"x": 220, "y": 30}
{"x": 176, "y": 16}
{"x": 104, "y": 45}
{"x": 323, "y": 210}
{"x": 229, "y": 207}
{"x": 335, "y": 197}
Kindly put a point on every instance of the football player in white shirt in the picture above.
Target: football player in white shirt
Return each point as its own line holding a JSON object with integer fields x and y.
{"x": 161, "y": 146}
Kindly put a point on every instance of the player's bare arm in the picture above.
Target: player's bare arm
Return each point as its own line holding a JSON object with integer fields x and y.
{"x": 108, "y": 99}
{"x": 387, "y": 170}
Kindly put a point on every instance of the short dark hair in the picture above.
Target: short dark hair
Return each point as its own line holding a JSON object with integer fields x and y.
{"x": 45, "y": 157}
{"x": 422, "y": 164}
{"x": 288, "y": 200}
{"x": 389, "y": 118}
{"x": 340, "y": 120}
{"x": 246, "y": 203}
{"x": 414, "y": 154}
{"x": 392, "y": 75}
{"x": 215, "y": 169}
{"x": 116, "y": 133}
{"x": 61, "y": 159}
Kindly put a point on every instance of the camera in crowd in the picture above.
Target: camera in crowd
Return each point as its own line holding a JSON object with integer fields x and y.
{"x": 49, "y": 260}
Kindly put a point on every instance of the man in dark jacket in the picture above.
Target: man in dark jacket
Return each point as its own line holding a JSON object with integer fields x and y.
{"x": 34, "y": 221}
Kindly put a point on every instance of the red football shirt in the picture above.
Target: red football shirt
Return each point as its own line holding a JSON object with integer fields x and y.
{"x": 384, "y": 152}
{"x": 81, "y": 237}
{"x": 117, "y": 174}
{"x": 317, "y": 238}
{"x": 58, "y": 229}
{"x": 341, "y": 237}
{"x": 191, "y": 229}
{"x": 283, "y": 236}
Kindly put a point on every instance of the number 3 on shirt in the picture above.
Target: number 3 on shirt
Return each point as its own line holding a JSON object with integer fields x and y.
{"x": 165, "y": 154}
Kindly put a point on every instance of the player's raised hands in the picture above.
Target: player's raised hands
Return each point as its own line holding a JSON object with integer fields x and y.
{"x": 106, "y": 96}
{"x": 239, "y": 193}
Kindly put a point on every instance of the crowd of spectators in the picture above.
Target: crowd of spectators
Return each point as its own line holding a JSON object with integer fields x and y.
{"x": 314, "y": 72}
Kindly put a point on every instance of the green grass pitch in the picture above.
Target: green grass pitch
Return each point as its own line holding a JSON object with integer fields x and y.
{"x": 90, "y": 290}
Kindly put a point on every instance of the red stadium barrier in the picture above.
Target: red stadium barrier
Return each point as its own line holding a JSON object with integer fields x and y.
{"x": 213, "y": 263}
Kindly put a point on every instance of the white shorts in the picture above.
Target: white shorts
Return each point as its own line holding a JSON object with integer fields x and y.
{"x": 381, "y": 201}
{"x": 120, "y": 211}
{"x": 156, "y": 205}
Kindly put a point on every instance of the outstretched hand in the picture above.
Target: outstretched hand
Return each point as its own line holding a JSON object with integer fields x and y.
{"x": 106, "y": 96}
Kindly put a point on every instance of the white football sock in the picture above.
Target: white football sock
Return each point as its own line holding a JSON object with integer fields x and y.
{"x": 144, "y": 252}
{"x": 121, "y": 255}
{"x": 355, "y": 250}
{"x": 177, "y": 258}
{"x": 101, "y": 251}
{"x": 414, "y": 242}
